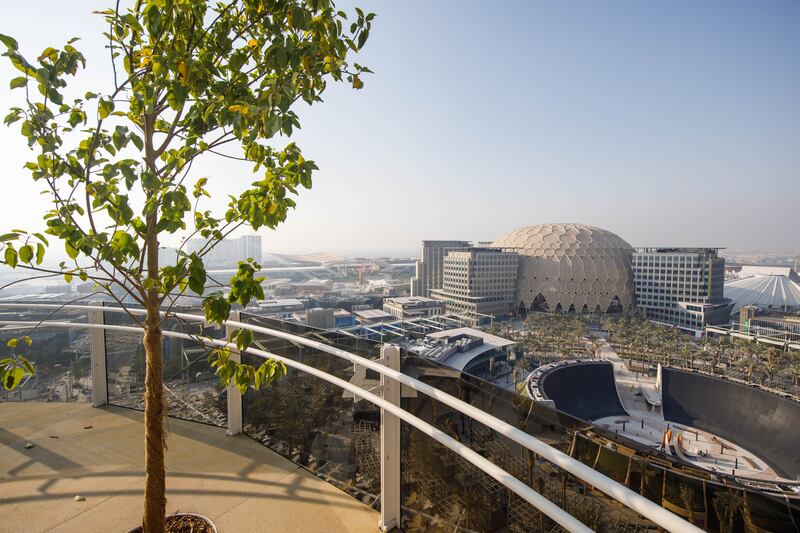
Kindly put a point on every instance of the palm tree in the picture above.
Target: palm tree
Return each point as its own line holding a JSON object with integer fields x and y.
{"x": 794, "y": 367}
{"x": 727, "y": 505}
{"x": 687, "y": 494}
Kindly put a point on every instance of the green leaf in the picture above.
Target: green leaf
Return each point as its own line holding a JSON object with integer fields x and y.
{"x": 29, "y": 368}
{"x": 26, "y": 253}
{"x": 21, "y": 81}
{"x": 10, "y": 42}
{"x": 105, "y": 107}
{"x": 71, "y": 252}
{"x": 13, "y": 378}
{"x": 68, "y": 277}
{"x": 39, "y": 253}
{"x": 12, "y": 343}
{"x": 11, "y": 257}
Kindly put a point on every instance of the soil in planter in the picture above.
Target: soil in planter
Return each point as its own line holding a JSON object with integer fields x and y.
{"x": 183, "y": 524}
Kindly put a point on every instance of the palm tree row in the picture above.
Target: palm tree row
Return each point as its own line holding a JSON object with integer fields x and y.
{"x": 542, "y": 338}
{"x": 648, "y": 343}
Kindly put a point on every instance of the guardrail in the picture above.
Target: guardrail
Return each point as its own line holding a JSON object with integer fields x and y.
{"x": 766, "y": 339}
{"x": 391, "y": 413}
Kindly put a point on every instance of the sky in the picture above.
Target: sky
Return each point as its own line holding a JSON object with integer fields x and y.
{"x": 668, "y": 123}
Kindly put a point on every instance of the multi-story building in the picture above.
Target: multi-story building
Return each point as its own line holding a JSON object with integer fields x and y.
{"x": 681, "y": 286}
{"x": 413, "y": 307}
{"x": 770, "y": 324}
{"x": 167, "y": 256}
{"x": 228, "y": 252}
{"x": 429, "y": 267}
{"x": 478, "y": 283}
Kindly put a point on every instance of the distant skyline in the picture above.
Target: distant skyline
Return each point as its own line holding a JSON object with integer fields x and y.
{"x": 667, "y": 123}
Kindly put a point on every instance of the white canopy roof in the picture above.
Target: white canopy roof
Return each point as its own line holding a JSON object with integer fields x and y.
{"x": 765, "y": 287}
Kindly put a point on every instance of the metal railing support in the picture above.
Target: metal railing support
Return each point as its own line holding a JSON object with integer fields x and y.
{"x": 390, "y": 444}
{"x": 97, "y": 356}
{"x": 234, "y": 396}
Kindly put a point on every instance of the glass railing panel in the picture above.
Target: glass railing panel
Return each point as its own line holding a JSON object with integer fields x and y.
{"x": 473, "y": 501}
{"x": 60, "y": 355}
{"x": 312, "y": 422}
{"x": 191, "y": 389}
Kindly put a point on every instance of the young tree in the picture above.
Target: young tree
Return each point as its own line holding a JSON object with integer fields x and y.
{"x": 190, "y": 79}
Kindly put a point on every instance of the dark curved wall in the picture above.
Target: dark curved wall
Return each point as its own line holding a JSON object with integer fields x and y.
{"x": 586, "y": 391}
{"x": 761, "y": 422}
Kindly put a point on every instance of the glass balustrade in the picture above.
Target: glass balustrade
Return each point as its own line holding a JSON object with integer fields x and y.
{"x": 61, "y": 355}
{"x": 337, "y": 437}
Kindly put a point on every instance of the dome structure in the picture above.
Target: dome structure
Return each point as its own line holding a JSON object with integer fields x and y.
{"x": 568, "y": 268}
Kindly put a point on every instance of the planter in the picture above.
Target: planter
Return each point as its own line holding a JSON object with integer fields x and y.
{"x": 185, "y": 523}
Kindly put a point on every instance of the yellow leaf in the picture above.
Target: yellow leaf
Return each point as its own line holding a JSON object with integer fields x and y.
{"x": 183, "y": 71}
{"x": 146, "y": 54}
{"x": 252, "y": 43}
{"x": 241, "y": 109}
{"x": 357, "y": 83}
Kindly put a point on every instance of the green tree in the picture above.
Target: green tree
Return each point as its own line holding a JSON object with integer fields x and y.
{"x": 190, "y": 79}
{"x": 14, "y": 368}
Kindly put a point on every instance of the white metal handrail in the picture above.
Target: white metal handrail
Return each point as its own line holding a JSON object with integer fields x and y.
{"x": 621, "y": 493}
{"x": 512, "y": 483}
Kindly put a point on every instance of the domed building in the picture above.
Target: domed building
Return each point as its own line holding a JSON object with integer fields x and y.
{"x": 571, "y": 268}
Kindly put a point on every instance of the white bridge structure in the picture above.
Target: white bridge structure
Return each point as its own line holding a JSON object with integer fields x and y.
{"x": 387, "y": 397}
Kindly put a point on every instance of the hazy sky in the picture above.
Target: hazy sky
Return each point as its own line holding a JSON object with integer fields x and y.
{"x": 669, "y": 123}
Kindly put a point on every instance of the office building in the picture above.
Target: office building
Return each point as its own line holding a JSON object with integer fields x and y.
{"x": 478, "y": 283}
{"x": 228, "y": 252}
{"x": 681, "y": 286}
{"x": 429, "y": 267}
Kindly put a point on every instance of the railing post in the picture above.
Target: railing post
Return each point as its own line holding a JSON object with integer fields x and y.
{"x": 97, "y": 356}
{"x": 234, "y": 396}
{"x": 390, "y": 444}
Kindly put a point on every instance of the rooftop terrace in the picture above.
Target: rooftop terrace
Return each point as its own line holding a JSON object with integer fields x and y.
{"x": 93, "y": 452}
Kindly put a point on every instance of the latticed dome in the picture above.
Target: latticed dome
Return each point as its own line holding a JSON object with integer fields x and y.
{"x": 571, "y": 268}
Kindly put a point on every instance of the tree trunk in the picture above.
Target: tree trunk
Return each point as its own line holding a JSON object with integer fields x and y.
{"x": 155, "y": 501}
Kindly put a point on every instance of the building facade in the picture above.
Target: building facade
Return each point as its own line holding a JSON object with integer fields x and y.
{"x": 478, "y": 283}
{"x": 228, "y": 252}
{"x": 681, "y": 286}
{"x": 430, "y": 266}
{"x": 413, "y": 307}
{"x": 771, "y": 324}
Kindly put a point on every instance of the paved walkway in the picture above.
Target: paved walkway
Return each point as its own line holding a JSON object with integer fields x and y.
{"x": 239, "y": 484}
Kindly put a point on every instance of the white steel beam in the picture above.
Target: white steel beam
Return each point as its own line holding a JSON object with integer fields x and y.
{"x": 390, "y": 444}
{"x": 234, "y": 396}
{"x": 97, "y": 355}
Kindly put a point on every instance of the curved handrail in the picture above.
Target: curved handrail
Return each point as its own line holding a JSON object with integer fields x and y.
{"x": 512, "y": 483}
{"x": 619, "y": 492}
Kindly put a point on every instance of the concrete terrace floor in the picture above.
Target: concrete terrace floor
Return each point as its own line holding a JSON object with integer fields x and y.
{"x": 241, "y": 485}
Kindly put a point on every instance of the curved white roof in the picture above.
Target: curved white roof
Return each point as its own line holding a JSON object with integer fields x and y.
{"x": 765, "y": 290}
